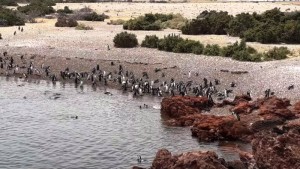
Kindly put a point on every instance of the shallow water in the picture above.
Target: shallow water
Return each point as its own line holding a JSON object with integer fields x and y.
{"x": 37, "y": 128}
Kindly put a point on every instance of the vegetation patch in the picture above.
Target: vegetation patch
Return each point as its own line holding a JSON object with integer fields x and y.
{"x": 87, "y": 14}
{"x": 9, "y": 17}
{"x": 125, "y": 40}
{"x": 38, "y": 7}
{"x": 212, "y": 22}
{"x": 8, "y": 3}
{"x": 238, "y": 51}
{"x": 64, "y": 21}
{"x": 116, "y": 22}
{"x": 150, "y": 41}
{"x": 148, "y": 22}
{"x": 272, "y": 26}
{"x": 66, "y": 10}
{"x": 82, "y": 26}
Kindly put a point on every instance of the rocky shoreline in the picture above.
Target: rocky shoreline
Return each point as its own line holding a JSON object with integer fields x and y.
{"x": 271, "y": 125}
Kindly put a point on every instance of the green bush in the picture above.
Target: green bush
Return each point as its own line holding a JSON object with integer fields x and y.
{"x": 240, "y": 23}
{"x": 125, "y": 40}
{"x": 173, "y": 43}
{"x": 212, "y": 22}
{"x": 272, "y": 26}
{"x": 8, "y": 3}
{"x": 212, "y": 50}
{"x": 39, "y": 7}
{"x": 94, "y": 17}
{"x": 150, "y": 41}
{"x": 10, "y": 17}
{"x": 66, "y": 10}
{"x": 240, "y": 51}
{"x": 147, "y": 22}
{"x": 188, "y": 46}
{"x": 277, "y": 53}
{"x": 177, "y": 22}
{"x": 168, "y": 43}
{"x": 63, "y": 21}
{"x": 82, "y": 26}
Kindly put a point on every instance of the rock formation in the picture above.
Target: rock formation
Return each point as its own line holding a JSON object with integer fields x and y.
{"x": 255, "y": 116}
{"x": 192, "y": 160}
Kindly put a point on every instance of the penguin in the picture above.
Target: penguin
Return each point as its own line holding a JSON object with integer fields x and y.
{"x": 291, "y": 87}
{"x": 236, "y": 115}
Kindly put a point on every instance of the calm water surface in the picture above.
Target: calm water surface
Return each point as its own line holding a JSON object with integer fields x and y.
{"x": 37, "y": 129}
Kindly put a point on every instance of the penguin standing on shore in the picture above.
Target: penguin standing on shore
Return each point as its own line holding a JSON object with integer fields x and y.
{"x": 236, "y": 115}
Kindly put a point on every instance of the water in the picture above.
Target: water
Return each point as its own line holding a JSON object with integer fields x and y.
{"x": 37, "y": 128}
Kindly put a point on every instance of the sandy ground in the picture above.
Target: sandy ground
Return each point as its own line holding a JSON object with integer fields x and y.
{"x": 82, "y": 50}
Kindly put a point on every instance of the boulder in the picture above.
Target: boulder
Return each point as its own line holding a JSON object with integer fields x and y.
{"x": 277, "y": 150}
{"x": 296, "y": 108}
{"x": 273, "y": 107}
{"x": 178, "y": 106}
{"x": 211, "y": 128}
{"x": 192, "y": 160}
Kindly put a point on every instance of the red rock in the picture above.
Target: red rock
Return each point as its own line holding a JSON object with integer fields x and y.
{"x": 186, "y": 111}
{"x": 241, "y": 98}
{"x": 178, "y": 106}
{"x": 277, "y": 151}
{"x": 211, "y": 128}
{"x": 236, "y": 101}
{"x": 274, "y": 107}
{"x": 296, "y": 108}
{"x": 136, "y": 167}
{"x": 190, "y": 160}
{"x": 243, "y": 108}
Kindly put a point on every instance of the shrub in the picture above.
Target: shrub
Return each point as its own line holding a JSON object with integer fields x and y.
{"x": 63, "y": 21}
{"x": 272, "y": 26}
{"x": 66, "y": 10}
{"x": 188, "y": 46}
{"x": 277, "y": 53}
{"x": 240, "y": 23}
{"x": 10, "y": 17}
{"x": 147, "y": 22}
{"x": 168, "y": 43}
{"x": 212, "y": 50}
{"x": 141, "y": 23}
{"x": 116, "y": 22}
{"x": 150, "y": 41}
{"x": 89, "y": 16}
{"x": 82, "y": 26}
{"x": 208, "y": 23}
{"x": 198, "y": 49}
{"x": 240, "y": 51}
{"x": 94, "y": 17}
{"x": 41, "y": 7}
{"x": 229, "y": 50}
{"x": 86, "y": 9}
{"x": 125, "y": 40}
{"x": 177, "y": 22}
{"x": 8, "y": 3}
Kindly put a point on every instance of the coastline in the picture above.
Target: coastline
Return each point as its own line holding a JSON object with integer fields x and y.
{"x": 257, "y": 76}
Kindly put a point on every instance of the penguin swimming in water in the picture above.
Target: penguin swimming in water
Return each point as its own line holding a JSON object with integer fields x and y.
{"x": 140, "y": 160}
